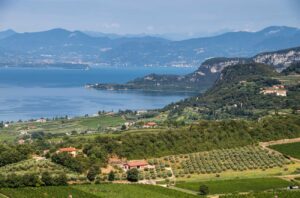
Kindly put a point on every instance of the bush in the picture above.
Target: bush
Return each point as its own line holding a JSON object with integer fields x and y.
{"x": 93, "y": 172}
{"x": 203, "y": 190}
{"x": 133, "y": 175}
{"x": 111, "y": 176}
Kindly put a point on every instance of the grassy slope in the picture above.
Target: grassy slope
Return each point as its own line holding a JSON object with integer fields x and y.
{"x": 291, "y": 149}
{"x": 92, "y": 191}
{"x": 237, "y": 185}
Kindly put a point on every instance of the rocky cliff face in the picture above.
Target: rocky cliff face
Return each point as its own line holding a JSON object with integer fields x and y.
{"x": 216, "y": 65}
{"x": 280, "y": 60}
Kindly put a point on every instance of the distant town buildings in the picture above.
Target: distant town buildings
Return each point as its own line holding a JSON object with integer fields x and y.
{"x": 42, "y": 120}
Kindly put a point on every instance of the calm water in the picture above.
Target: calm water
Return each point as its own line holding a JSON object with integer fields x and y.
{"x": 35, "y": 93}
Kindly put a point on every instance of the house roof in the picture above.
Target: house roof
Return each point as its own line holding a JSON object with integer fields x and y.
{"x": 151, "y": 124}
{"x": 137, "y": 163}
{"x": 69, "y": 149}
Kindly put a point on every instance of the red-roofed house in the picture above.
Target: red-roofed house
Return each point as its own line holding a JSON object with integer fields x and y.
{"x": 71, "y": 150}
{"x": 150, "y": 125}
{"x": 138, "y": 164}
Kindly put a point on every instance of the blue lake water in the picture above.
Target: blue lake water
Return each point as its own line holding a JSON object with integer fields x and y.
{"x": 35, "y": 93}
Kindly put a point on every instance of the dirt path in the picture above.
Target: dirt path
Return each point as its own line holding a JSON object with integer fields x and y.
{"x": 289, "y": 177}
{"x": 4, "y": 196}
{"x": 184, "y": 190}
{"x": 284, "y": 141}
{"x": 265, "y": 145}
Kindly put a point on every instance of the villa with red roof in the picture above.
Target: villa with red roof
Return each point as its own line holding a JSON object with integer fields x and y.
{"x": 150, "y": 125}
{"x": 71, "y": 150}
{"x": 138, "y": 164}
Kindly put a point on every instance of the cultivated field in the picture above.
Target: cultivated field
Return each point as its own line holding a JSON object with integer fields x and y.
{"x": 93, "y": 191}
{"x": 219, "y": 161}
{"x": 290, "y": 149}
{"x": 237, "y": 185}
{"x": 34, "y": 166}
{"x": 279, "y": 194}
{"x": 61, "y": 126}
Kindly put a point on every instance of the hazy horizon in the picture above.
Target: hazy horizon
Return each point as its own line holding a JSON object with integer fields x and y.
{"x": 189, "y": 17}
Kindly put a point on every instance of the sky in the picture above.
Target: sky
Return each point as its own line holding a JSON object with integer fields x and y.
{"x": 148, "y": 16}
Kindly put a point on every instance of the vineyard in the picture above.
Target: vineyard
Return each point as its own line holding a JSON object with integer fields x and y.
{"x": 280, "y": 194}
{"x": 290, "y": 149}
{"x": 94, "y": 191}
{"x": 237, "y": 185}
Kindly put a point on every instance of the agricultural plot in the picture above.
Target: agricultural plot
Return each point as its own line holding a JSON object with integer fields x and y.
{"x": 45, "y": 192}
{"x": 33, "y": 166}
{"x": 82, "y": 124}
{"x": 218, "y": 161}
{"x": 102, "y": 122}
{"x": 290, "y": 149}
{"x": 132, "y": 191}
{"x": 279, "y": 194}
{"x": 237, "y": 185}
{"x": 94, "y": 191}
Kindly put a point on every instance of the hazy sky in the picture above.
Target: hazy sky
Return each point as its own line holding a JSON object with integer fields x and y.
{"x": 148, "y": 16}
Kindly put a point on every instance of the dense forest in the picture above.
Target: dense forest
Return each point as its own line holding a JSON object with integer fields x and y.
{"x": 293, "y": 69}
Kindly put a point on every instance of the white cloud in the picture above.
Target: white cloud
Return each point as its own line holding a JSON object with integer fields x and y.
{"x": 111, "y": 25}
{"x": 150, "y": 28}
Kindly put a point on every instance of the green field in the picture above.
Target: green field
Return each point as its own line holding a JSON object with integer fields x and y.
{"x": 93, "y": 191}
{"x": 291, "y": 149}
{"x": 280, "y": 194}
{"x": 236, "y": 185}
{"x": 45, "y": 192}
{"x": 132, "y": 191}
{"x": 102, "y": 121}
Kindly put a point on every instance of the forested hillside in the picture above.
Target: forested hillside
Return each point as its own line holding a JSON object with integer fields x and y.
{"x": 238, "y": 94}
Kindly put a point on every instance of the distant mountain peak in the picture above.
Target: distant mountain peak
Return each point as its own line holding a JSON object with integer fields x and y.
{"x": 7, "y": 33}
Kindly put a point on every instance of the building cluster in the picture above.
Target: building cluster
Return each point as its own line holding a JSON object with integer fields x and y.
{"x": 278, "y": 90}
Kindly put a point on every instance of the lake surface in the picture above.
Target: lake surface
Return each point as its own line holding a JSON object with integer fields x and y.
{"x": 35, "y": 93}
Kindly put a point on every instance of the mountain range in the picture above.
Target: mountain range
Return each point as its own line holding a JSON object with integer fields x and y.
{"x": 63, "y": 46}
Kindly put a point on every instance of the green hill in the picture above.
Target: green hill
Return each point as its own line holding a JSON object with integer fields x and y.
{"x": 237, "y": 94}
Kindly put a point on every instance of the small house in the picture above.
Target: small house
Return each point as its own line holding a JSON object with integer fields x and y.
{"x": 150, "y": 125}
{"x": 71, "y": 150}
{"x": 21, "y": 141}
{"x": 138, "y": 164}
